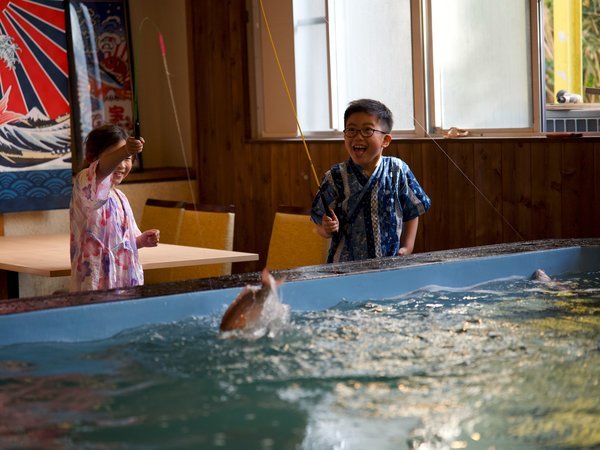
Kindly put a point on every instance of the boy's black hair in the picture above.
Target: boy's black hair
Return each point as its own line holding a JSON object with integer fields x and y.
{"x": 372, "y": 107}
{"x": 101, "y": 138}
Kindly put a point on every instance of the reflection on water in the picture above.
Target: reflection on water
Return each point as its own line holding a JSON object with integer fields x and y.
{"x": 511, "y": 364}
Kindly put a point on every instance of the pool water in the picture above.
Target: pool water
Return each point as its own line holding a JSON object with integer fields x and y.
{"x": 509, "y": 364}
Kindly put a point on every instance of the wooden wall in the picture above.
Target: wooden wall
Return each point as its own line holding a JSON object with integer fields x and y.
{"x": 503, "y": 190}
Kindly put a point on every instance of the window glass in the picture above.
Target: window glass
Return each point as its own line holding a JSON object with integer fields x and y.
{"x": 437, "y": 63}
{"x": 372, "y": 56}
{"x": 312, "y": 69}
{"x": 482, "y": 64}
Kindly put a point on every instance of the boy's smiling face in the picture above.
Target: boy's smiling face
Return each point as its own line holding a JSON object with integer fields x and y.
{"x": 366, "y": 151}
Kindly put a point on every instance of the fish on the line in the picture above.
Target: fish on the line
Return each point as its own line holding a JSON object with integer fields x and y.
{"x": 255, "y": 306}
{"x": 548, "y": 282}
{"x": 540, "y": 275}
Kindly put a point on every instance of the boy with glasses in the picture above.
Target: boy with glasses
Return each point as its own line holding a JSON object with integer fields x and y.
{"x": 374, "y": 201}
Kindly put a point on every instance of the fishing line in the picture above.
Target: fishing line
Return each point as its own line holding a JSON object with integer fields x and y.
{"x": 172, "y": 98}
{"x": 289, "y": 96}
{"x": 287, "y": 91}
{"x": 489, "y": 202}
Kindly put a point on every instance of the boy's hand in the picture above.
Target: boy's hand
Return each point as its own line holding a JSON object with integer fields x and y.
{"x": 148, "y": 238}
{"x": 331, "y": 224}
{"x": 134, "y": 146}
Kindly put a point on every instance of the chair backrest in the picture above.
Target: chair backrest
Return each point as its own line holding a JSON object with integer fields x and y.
{"x": 165, "y": 215}
{"x": 294, "y": 240}
{"x": 209, "y": 226}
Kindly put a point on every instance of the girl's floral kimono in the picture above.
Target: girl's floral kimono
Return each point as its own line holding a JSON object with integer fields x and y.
{"x": 104, "y": 253}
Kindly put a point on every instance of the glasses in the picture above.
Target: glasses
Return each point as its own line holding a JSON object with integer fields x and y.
{"x": 351, "y": 132}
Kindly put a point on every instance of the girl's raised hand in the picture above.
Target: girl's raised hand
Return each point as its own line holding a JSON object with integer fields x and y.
{"x": 134, "y": 146}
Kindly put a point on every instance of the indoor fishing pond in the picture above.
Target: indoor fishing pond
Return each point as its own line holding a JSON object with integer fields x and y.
{"x": 509, "y": 362}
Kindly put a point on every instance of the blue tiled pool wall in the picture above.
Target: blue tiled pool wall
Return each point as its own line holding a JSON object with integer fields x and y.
{"x": 99, "y": 321}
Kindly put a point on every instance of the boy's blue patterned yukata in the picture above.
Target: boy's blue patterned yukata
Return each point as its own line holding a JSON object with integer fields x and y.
{"x": 370, "y": 210}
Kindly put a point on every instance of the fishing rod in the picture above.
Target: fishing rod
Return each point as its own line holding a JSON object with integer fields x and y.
{"x": 163, "y": 52}
{"x": 132, "y": 62}
{"x": 289, "y": 96}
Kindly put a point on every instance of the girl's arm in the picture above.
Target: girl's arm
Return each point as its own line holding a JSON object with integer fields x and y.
{"x": 148, "y": 238}
{"x": 112, "y": 157}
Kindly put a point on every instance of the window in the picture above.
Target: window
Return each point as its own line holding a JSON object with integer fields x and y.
{"x": 572, "y": 65}
{"x": 482, "y": 65}
{"x": 436, "y": 63}
{"x": 350, "y": 66}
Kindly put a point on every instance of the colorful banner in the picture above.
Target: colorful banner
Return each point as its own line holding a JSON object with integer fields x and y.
{"x": 35, "y": 127}
{"x": 102, "y": 77}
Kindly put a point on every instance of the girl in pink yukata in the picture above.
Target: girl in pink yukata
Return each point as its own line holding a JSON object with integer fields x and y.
{"x": 104, "y": 235}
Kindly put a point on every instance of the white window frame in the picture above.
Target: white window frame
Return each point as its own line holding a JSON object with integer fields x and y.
{"x": 267, "y": 105}
{"x": 537, "y": 80}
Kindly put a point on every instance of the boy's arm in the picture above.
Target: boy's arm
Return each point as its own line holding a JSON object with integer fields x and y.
{"x": 328, "y": 225}
{"x": 321, "y": 231}
{"x": 409, "y": 234}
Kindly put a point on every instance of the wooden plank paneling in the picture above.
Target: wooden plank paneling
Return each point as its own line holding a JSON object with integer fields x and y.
{"x": 245, "y": 200}
{"x": 487, "y": 161}
{"x": 435, "y": 183}
{"x": 460, "y": 221}
{"x": 282, "y": 175}
{"x": 546, "y": 189}
{"x": 516, "y": 191}
{"x": 578, "y": 190}
{"x": 304, "y": 185}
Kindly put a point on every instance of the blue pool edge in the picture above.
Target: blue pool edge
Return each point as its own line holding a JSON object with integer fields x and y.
{"x": 99, "y": 315}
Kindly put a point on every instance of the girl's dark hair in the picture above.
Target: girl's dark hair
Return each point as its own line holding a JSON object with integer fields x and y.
{"x": 372, "y": 107}
{"x": 101, "y": 138}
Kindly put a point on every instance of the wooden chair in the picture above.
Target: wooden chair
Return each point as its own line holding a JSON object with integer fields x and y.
{"x": 209, "y": 226}
{"x": 294, "y": 240}
{"x": 165, "y": 215}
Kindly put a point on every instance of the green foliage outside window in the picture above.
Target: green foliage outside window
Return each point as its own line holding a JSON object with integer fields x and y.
{"x": 590, "y": 52}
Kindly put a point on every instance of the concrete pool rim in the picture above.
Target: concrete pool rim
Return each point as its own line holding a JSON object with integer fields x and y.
{"x": 65, "y": 300}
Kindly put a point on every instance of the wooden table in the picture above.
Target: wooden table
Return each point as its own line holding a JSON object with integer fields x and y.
{"x": 48, "y": 255}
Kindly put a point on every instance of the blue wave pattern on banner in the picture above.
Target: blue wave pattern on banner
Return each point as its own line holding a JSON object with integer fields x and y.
{"x": 35, "y": 190}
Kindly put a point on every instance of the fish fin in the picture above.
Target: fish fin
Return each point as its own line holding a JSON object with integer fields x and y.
{"x": 269, "y": 280}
